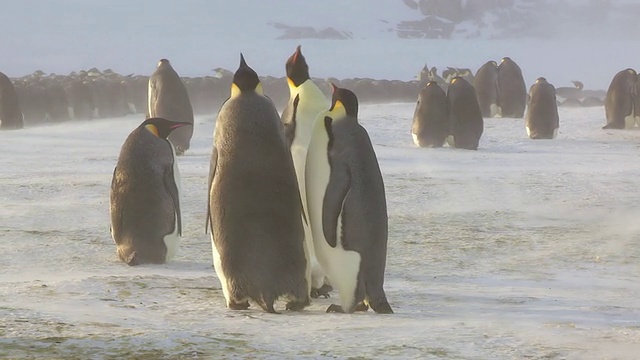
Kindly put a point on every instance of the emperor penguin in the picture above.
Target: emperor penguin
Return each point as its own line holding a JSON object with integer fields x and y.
{"x": 512, "y": 91}
{"x": 168, "y": 98}
{"x": 146, "y": 223}
{"x": 305, "y": 103}
{"x": 486, "y": 85}
{"x": 431, "y": 117}
{"x": 258, "y": 244}
{"x": 10, "y": 114}
{"x": 347, "y": 206}
{"x": 542, "y": 120}
{"x": 465, "y": 117}
{"x": 619, "y": 103}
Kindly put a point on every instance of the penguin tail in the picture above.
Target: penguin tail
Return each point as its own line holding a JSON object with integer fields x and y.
{"x": 381, "y": 307}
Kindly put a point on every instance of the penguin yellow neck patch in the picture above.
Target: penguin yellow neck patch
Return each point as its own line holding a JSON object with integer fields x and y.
{"x": 152, "y": 129}
{"x": 338, "y": 110}
{"x": 235, "y": 90}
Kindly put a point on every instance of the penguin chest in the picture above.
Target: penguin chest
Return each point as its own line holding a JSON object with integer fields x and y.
{"x": 172, "y": 240}
{"x": 342, "y": 266}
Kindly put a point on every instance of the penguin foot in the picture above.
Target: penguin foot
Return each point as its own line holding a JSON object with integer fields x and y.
{"x": 268, "y": 307}
{"x": 297, "y": 305}
{"x": 322, "y": 291}
{"x": 238, "y": 306}
{"x": 361, "y": 307}
{"x": 333, "y": 308}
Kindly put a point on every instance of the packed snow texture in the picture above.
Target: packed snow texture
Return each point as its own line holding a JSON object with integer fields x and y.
{"x": 522, "y": 249}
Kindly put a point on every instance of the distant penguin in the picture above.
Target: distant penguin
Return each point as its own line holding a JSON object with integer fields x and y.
{"x": 431, "y": 117}
{"x": 466, "y": 120}
{"x": 168, "y": 98}
{"x": 486, "y": 86}
{"x": 619, "y": 104}
{"x": 542, "y": 120}
{"x": 305, "y": 103}
{"x": 146, "y": 224}
{"x": 10, "y": 114}
{"x": 512, "y": 91}
{"x": 255, "y": 209}
{"x": 347, "y": 206}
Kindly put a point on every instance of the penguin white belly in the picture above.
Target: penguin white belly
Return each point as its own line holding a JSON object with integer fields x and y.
{"x": 172, "y": 241}
{"x": 450, "y": 141}
{"x": 415, "y": 139}
{"x": 528, "y": 132}
{"x": 555, "y": 133}
{"x": 629, "y": 121}
{"x": 149, "y": 105}
{"x": 342, "y": 266}
{"x": 311, "y": 102}
{"x": 495, "y": 110}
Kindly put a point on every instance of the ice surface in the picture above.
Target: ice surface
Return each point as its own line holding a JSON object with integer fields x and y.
{"x": 521, "y": 250}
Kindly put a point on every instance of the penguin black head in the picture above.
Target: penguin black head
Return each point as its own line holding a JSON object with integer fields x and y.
{"x": 344, "y": 100}
{"x": 163, "y": 62}
{"x": 541, "y": 79}
{"x": 245, "y": 79}
{"x": 297, "y": 68}
{"x": 162, "y": 127}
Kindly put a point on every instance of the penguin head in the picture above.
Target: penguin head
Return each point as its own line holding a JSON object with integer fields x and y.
{"x": 505, "y": 59}
{"x": 162, "y": 62}
{"x": 343, "y": 102}
{"x": 245, "y": 79}
{"x": 541, "y": 79}
{"x": 297, "y": 68}
{"x": 162, "y": 127}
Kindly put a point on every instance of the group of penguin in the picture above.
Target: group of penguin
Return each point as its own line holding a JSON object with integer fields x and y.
{"x": 296, "y": 202}
{"x": 456, "y": 117}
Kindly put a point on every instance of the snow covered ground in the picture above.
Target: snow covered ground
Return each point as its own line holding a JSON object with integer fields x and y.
{"x": 520, "y": 250}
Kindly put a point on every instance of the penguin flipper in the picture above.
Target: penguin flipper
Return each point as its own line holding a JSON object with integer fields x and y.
{"x": 172, "y": 188}
{"x": 212, "y": 173}
{"x": 333, "y": 203}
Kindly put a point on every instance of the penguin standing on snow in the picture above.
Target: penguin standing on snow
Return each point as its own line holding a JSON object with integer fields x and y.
{"x": 486, "y": 86}
{"x": 347, "y": 206}
{"x": 431, "y": 117}
{"x": 146, "y": 224}
{"x": 621, "y": 100}
{"x": 542, "y": 120}
{"x": 305, "y": 103}
{"x": 168, "y": 99}
{"x": 467, "y": 124}
{"x": 512, "y": 91}
{"x": 258, "y": 244}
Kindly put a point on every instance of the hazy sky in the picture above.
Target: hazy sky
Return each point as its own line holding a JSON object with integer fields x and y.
{"x": 198, "y": 35}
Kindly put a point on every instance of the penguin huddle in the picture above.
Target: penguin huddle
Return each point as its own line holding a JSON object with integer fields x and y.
{"x": 296, "y": 203}
{"x": 501, "y": 89}
{"x": 454, "y": 116}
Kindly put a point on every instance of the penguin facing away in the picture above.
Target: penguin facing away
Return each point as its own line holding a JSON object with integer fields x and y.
{"x": 10, "y": 114}
{"x": 542, "y": 120}
{"x": 431, "y": 117}
{"x": 466, "y": 120}
{"x": 486, "y": 86}
{"x": 144, "y": 203}
{"x": 620, "y": 101}
{"x": 347, "y": 206}
{"x": 512, "y": 91}
{"x": 168, "y": 98}
{"x": 254, "y": 207}
{"x": 305, "y": 103}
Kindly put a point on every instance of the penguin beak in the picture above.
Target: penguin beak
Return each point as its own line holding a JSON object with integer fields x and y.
{"x": 296, "y": 54}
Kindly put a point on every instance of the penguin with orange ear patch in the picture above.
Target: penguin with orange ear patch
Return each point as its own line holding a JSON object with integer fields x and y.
{"x": 144, "y": 205}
